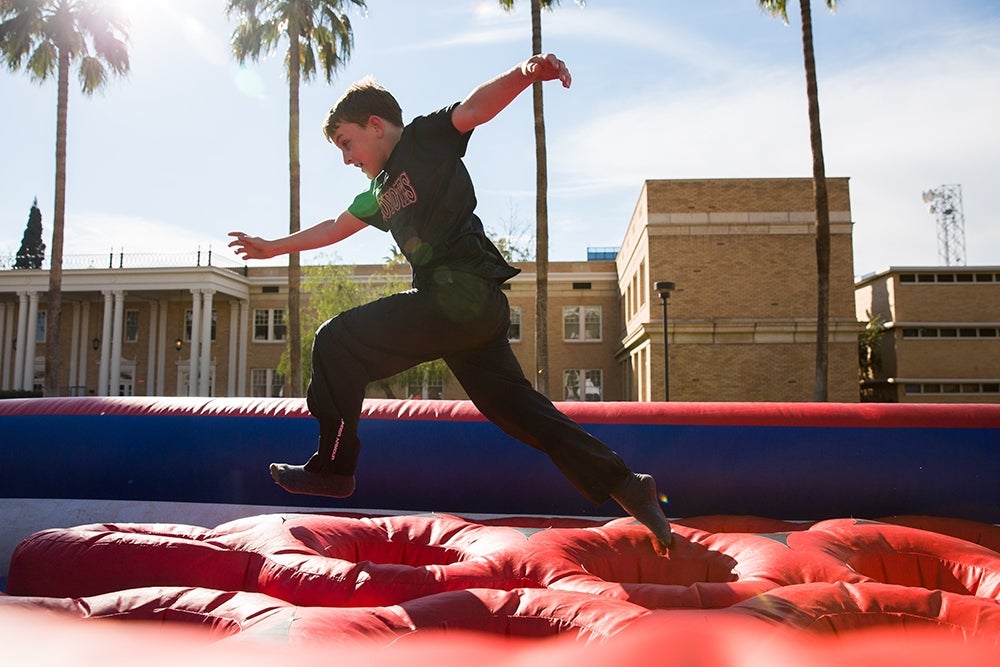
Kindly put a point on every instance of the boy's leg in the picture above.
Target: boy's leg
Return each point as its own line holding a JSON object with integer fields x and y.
{"x": 494, "y": 381}
{"x": 374, "y": 341}
{"x": 335, "y": 394}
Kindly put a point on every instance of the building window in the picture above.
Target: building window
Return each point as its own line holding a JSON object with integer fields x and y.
{"x": 948, "y": 277}
{"x": 131, "y": 326}
{"x": 514, "y": 333}
{"x": 583, "y": 385}
{"x": 430, "y": 388}
{"x": 187, "y": 324}
{"x": 266, "y": 383}
{"x": 269, "y": 324}
{"x": 40, "y": 327}
{"x": 642, "y": 281}
{"x": 952, "y": 388}
{"x": 582, "y": 323}
{"x": 949, "y": 332}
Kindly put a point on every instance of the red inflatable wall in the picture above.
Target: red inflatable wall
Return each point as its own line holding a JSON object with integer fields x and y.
{"x": 306, "y": 578}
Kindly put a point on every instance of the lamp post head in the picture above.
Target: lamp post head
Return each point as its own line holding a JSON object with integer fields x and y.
{"x": 664, "y": 288}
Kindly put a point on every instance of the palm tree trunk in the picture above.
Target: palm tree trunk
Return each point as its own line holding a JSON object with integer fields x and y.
{"x": 294, "y": 213}
{"x": 821, "y": 388}
{"x": 541, "y": 218}
{"x": 53, "y": 315}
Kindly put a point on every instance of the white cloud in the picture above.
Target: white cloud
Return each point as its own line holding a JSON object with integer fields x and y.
{"x": 617, "y": 29}
{"x": 89, "y": 231}
{"x": 896, "y": 127}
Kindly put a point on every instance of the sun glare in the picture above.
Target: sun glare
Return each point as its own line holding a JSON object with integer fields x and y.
{"x": 140, "y": 11}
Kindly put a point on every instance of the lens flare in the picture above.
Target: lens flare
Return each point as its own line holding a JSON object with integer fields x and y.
{"x": 663, "y": 498}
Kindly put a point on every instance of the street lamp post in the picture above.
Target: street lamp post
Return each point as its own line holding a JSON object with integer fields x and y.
{"x": 664, "y": 289}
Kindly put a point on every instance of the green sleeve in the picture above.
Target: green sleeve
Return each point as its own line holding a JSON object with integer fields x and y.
{"x": 365, "y": 205}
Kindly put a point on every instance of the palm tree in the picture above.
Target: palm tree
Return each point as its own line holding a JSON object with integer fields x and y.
{"x": 46, "y": 37}
{"x": 541, "y": 203}
{"x": 319, "y": 33}
{"x": 778, "y": 8}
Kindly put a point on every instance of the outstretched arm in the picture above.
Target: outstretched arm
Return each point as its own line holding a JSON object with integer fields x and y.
{"x": 319, "y": 235}
{"x": 489, "y": 99}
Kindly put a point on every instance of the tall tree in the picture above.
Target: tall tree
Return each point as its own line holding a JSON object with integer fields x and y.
{"x": 31, "y": 254}
{"x": 319, "y": 34}
{"x": 46, "y": 37}
{"x": 541, "y": 202}
{"x": 778, "y": 8}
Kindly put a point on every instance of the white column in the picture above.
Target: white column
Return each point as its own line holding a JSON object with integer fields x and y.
{"x": 115, "y": 379}
{"x": 102, "y": 373}
{"x": 206, "y": 343}
{"x": 241, "y": 384}
{"x": 6, "y": 343}
{"x": 234, "y": 341}
{"x": 84, "y": 344}
{"x": 195, "y": 348}
{"x": 162, "y": 345}
{"x": 74, "y": 346}
{"x": 22, "y": 334}
{"x": 30, "y": 343}
{"x": 154, "y": 315}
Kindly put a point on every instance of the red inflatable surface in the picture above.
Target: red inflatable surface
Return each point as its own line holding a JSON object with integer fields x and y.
{"x": 303, "y": 579}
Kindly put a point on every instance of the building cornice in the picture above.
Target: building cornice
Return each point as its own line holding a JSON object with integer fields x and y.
{"x": 160, "y": 279}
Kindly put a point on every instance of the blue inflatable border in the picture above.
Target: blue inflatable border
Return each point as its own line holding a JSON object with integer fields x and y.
{"x": 787, "y": 472}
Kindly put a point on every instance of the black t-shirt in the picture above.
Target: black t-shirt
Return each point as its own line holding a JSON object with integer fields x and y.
{"x": 425, "y": 198}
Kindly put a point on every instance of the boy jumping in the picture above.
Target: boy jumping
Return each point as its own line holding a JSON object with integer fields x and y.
{"x": 456, "y": 311}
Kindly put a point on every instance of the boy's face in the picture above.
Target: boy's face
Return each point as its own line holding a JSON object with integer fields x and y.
{"x": 361, "y": 145}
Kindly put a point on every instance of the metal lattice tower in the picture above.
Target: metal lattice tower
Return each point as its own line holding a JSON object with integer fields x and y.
{"x": 946, "y": 204}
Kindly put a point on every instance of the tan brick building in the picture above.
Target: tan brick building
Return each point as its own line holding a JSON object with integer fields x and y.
{"x": 741, "y": 321}
{"x": 941, "y": 342}
{"x": 584, "y": 324}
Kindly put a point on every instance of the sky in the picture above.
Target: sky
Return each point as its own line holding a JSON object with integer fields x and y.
{"x": 191, "y": 145}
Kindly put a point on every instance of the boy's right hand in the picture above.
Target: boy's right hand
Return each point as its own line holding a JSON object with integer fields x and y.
{"x": 250, "y": 247}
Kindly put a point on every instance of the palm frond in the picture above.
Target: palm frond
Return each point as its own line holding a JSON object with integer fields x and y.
{"x": 776, "y": 8}
{"x": 19, "y": 35}
{"x": 307, "y": 59}
{"x": 42, "y": 63}
{"x": 93, "y": 74}
{"x": 322, "y": 26}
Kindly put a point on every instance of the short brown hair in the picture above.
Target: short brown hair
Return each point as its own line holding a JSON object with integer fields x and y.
{"x": 361, "y": 101}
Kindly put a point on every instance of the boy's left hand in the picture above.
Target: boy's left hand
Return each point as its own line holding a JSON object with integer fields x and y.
{"x": 546, "y": 67}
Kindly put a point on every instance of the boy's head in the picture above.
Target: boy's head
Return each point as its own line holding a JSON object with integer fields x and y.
{"x": 361, "y": 101}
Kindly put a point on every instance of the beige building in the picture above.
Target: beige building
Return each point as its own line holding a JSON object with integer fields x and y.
{"x": 741, "y": 322}
{"x": 941, "y": 340}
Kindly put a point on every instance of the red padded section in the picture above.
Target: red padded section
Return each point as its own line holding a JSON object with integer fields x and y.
{"x": 31, "y": 638}
{"x": 869, "y": 415}
{"x": 310, "y": 577}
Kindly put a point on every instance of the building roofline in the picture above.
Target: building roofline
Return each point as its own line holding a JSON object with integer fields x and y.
{"x": 908, "y": 268}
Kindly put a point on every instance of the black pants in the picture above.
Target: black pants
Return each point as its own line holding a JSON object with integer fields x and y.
{"x": 464, "y": 320}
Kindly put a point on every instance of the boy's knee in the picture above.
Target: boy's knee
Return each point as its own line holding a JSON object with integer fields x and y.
{"x": 330, "y": 330}
{"x": 327, "y": 342}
